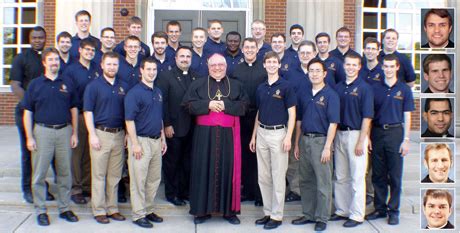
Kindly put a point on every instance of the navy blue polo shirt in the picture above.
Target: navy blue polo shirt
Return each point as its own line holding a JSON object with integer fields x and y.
{"x": 76, "y": 45}
{"x": 128, "y": 73}
{"x": 273, "y": 102}
{"x": 292, "y": 53}
{"x": 98, "y": 57}
{"x": 341, "y": 56}
{"x": 263, "y": 50}
{"x": 297, "y": 78}
{"x": 211, "y": 47}
{"x": 63, "y": 65}
{"x": 80, "y": 76}
{"x": 167, "y": 64}
{"x": 372, "y": 76}
{"x": 199, "y": 64}
{"x": 50, "y": 101}
{"x": 106, "y": 102}
{"x": 335, "y": 67}
{"x": 120, "y": 49}
{"x": 390, "y": 103}
{"x": 144, "y": 106}
{"x": 317, "y": 112}
{"x": 170, "y": 51}
{"x": 232, "y": 61}
{"x": 288, "y": 62}
{"x": 356, "y": 103}
{"x": 406, "y": 71}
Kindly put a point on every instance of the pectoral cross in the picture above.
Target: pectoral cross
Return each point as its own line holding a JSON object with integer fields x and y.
{"x": 218, "y": 94}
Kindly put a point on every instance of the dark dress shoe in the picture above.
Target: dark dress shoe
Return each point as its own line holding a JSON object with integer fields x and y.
{"x": 86, "y": 194}
{"x": 336, "y": 217}
{"x": 201, "y": 219}
{"x": 69, "y": 216}
{"x": 369, "y": 199}
{"x": 302, "y": 221}
{"x": 154, "y": 218}
{"x": 143, "y": 222}
{"x": 272, "y": 224}
{"x": 320, "y": 226}
{"x": 78, "y": 199}
{"x": 49, "y": 196}
{"x": 176, "y": 201}
{"x": 292, "y": 197}
{"x": 122, "y": 199}
{"x": 375, "y": 215}
{"x": 393, "y": 219}
{"x": 258, "y": 202}
{"x": 117, "y": 217}
{"x": 351, "y": 223}
{"x": 28, "y": 198}
{"x": 43, "y": 220}
{"x": 232, "y": 219}
{"x": 102, "y": 219}
{"x": 263, "y": 220}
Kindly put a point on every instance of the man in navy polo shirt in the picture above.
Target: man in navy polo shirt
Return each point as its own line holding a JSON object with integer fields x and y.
{"x": 50, "y": 106}
{"x": 174, "y": 31}
{"x": 258, "y": 31}
{"x": 251, "y": 73}
{"x": 104, "y": 118}
{"x": 393, "y": 103}
{"x": 343, "y": 38}
{"x": 233, "y": 53}
{"x": 288, "y": 61}
{"x": 333, "y": 64}
{"x": 296, "y": 34}
{"x": 63, "y": 42}
{"x": 273, "y": 127}
{"x": 350, "y": 146}
{"x": 318, "y": 116}
{"x": 199, "y": 58}
{"x": 80, "y": 74}
{"x": 83, "y": 22}
{"x": 371, "y": 70}
{"x": 129, "y": 70}
{"x": 107, "y": 44}
{"x": 390, "y": 45}
{"x": 213, "y": 43}
{"x": 134, "y": 29}
{"x": 159, "y": 42}
{"x": 146, "y": 144}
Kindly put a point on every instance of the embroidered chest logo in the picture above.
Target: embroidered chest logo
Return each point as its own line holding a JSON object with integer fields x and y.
{"x": 63, "y": 88}
{"x": 354, "y": 92}
{"x": 169, "y": 67}
{"x": 332, "y": 66}
{"x": 160, "y": 98}
{"x": 96, "y": 74}
{"x": 321, "y": 101}
{"x": 277, "y": 94}
{"x": 193, "y": 78}
{"x": 241, "y": 60}
{"x": 377, "y": 77}
{"x": 398, "y": 96}
{"x": 121, "y": 91}
{"x": 285, "y": 67}
{"x": 178, "y": 78}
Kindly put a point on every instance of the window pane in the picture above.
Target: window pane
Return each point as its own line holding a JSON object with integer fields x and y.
{"x": 405, "y": 22}
{"x": 390, "y": 19}
{"x": 383, "y": 23}
{"x": 404, "y": 5}
{"x": 10, "y": 1}
{"x": 28, "y": 16}
{"x": 25, "y": 35}
{"x": 6, "y": 76}
{"x": 405, "y": 41}
{"x": 10, "y": 15}
{"x": 10, "y": 35}
{"x": 370, "y": 20}
{"x": 371, "y": 3}
{"x": 417, "y": 61}
{"x": 417, "y": 79}
{"x": 8, "y": 54}
{"x": 369, "y": 34}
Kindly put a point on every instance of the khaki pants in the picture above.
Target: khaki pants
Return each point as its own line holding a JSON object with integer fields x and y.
{"x": 350, "y": 170}
{"x": 106, "y": 166}
{"x": 51, "y": 142}
{"x": 144, "y": 176}
{"x": 81, "y": 162}
{"x": 272, "y": 164}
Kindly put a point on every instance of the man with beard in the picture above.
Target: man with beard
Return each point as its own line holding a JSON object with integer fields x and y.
{"x": 258, "y": 31}
{"x": 213, "y": 43}
{"x": 251, "y": 73}
{"x": 64, "y": 43}
{"x": 134, "y": 29}
{"x": 343, "y": 38}
{"x": 217, "y": 101}
{"x": 159, "y": 42}
{"x": 178, "y": 127}
{"x": 233, "y": 54}
{"x": 199, "y": 58}
{"x": 25, "y": 67}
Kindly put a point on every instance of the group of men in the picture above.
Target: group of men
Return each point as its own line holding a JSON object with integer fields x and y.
{"x": 198, "y": 107}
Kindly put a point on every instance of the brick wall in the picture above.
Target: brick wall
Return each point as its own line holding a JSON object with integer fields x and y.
{"x": 275, "y": 17}
{"x": 120, "y": 23}
{"x": 349, "y": 19}
{"x": 7, "y": 106}
{"x": 49, "y": 14}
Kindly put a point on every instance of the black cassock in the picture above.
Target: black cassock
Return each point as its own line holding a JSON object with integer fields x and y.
{"x": 211, "y": 190}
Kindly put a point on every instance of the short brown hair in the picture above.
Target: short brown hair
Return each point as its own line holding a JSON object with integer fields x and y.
{"x": 49, "y": 51}
{"x": 443, "y": 13}
{"x": 371, "y": 40}
{"x": 272, "y": 54}
{"x": 437, "y": 146}
{"x": 160, "y": 34}
{"x": 390, "y": 30}
{"x": 82, "y": 13}
{"x": 135, "y": 20}
{"x": 173, "y": 23}
{"x": 435, "y": 58}
{"x": 110, "y": 54}
{"x": 438, "y": 194}
{"x": 63, "y": 34}
{"x": 342, "y": 29}
{"x": 278, "y": 34}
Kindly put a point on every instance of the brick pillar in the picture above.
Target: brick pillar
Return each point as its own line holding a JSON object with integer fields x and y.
{"x": 7, "y": 105}
{"x": 120, "y": 23}
{"x": 275, "y": 17}
{"x": 49, "y": 21}
{"x": 415, "y": 116}
{"x": 349, "y": 18}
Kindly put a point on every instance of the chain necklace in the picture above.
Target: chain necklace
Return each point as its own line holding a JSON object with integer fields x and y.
{"x": 218, "y": 94}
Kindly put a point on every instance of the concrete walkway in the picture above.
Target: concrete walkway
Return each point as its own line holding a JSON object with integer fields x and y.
{"x": 18, "y": 216}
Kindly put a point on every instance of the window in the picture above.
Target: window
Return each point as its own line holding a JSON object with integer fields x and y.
{"x": 402, "y": 15}
{"x": 18, "y": 17}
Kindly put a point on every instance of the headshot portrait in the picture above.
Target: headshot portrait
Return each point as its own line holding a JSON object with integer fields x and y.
{"x": 438, "y": 73}
{"x": 437, "y": 115}
{"x": 438, "y": 207}
{"x": 437, "y": 29}
{"x": 437, "y": 163}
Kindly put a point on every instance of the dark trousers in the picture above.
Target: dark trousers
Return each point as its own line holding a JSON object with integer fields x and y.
{"x": 176, "y": 166}
{"x": 249, "y": 175}
{"x": 387, "y": 167}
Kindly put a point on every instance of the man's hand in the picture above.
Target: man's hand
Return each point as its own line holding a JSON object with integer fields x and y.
{"x": 252, "y": 145}
{"x": 287, "y": 144}
{"x": 164, "y": 146}
{"x": 359, "y": 149}
{"x": 404, "y": 149}
{"x": 326, "y": 155}
{"x": 31, "y": 144}
{"x": 296, "y": 152}
{"x": 73, "y": 140}
{"x": 94, "y": 142}
{"x": 169, "y": 131}
{"x": 216, "y": 106}
{"x": 137, "y": 151}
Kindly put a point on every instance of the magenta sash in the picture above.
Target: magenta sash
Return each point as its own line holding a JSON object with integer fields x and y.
{"x": 225, "y": 120}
